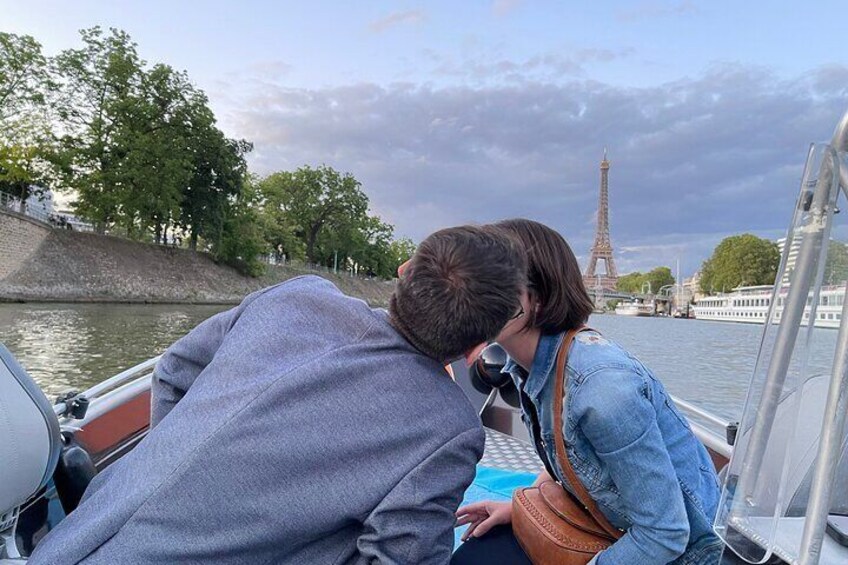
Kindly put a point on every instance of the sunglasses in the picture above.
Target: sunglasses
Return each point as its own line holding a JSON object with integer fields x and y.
{"x": 518, "y": 314}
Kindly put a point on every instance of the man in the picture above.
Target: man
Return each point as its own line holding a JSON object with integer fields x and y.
{"x": 305, "y": 427}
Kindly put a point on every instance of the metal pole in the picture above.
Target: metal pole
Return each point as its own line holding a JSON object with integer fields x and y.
{"x": 803, "y": 275}
{"x": 833, "y": 424}
{"x": 830, "y": 449}
{"x": 336, "y": 263}
{"x": 840, "y": 143}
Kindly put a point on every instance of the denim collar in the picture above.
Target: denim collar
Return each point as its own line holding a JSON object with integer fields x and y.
{"x": 543, "y": 362}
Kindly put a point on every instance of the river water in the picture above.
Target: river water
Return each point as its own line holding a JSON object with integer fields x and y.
{"x": 77, "y": 345}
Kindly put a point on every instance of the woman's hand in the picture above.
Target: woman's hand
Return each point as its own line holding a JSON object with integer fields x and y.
{"x": 483, "y": 516}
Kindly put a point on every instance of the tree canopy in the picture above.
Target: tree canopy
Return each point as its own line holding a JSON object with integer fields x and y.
{"x": 651, "y": 281}
{"x": 322, "y": 216}
{"x": 836, "y": 265}
{"x": 139, "y": 149}
{"x": 740, "y": 260}
{"x": 26, "y": 142}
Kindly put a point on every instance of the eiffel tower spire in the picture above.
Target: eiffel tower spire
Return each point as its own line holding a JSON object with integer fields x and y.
{"x": 602, "y": 248}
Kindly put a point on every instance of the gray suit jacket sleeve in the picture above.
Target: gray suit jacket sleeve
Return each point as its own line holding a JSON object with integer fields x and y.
{"x": 415, "y": 522}
{"x": 181, "y": 364}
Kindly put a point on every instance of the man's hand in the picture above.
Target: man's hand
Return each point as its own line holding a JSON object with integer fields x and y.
{"x": 483, "y": 516}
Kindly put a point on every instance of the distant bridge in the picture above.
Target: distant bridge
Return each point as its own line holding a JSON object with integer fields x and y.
{"x": 663, "y": 302}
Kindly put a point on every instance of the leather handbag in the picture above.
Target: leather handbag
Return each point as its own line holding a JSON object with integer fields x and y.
{"x": 553, "y": 526}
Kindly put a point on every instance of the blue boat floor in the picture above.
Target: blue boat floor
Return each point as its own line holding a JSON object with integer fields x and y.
{"x": 507, "y": 464}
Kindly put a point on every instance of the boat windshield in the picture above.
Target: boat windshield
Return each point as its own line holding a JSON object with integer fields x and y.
{"x": 790, "y": 450}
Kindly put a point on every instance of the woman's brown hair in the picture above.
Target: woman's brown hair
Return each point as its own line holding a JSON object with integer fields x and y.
{"x": 554, "y": 277}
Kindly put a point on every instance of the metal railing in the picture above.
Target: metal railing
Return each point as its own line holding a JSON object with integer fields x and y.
{"x": 697, "y": 416}
{"x": 13, "y": 204}
{"x": 271, "y": 259}
{"x": 144, "y": 369}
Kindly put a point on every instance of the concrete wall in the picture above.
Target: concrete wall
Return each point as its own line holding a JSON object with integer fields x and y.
{"x": 40, "y": 263}
{"x": 20, "y": 238}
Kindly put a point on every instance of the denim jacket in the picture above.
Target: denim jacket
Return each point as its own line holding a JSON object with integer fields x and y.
{"x": 631, "y": 448}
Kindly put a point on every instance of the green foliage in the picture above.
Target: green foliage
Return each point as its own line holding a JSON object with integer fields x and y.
{"x": 139, "y": 148}
{"x": 100, "y": 88}
{"x": 321, "y": 215}
{"x": 323, "y": 208}
{"x": 23, "y": 76}
{"x": 635, "y": 282}
{"x": 26, "y": 142}
{"x": 740, "y": 260}
{"x": 631, "y": 282}
{"x": 241, "y": 241}
{"x": 658, "y": 278}
{"x": 836, "y": 266}
{"x": 401, "y": 251}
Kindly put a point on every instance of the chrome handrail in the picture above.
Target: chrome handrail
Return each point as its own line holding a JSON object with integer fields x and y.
{"x": 112, "y": 383}
{"x": 712, "y": 440}
{"x": 131, "y": 374}
{"x": 690, "y": 408}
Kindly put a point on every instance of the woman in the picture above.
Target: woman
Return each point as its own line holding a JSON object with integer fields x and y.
{"x": 628, "y": 444}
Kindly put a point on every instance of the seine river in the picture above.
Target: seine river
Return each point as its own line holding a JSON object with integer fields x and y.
{"x": 77, "y": 345}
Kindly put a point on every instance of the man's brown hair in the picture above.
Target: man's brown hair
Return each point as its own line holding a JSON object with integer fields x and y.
{"x": 554, "y": 277}
{"x": 460, "y": 289}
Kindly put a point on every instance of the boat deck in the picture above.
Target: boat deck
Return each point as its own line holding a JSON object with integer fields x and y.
{"x": 509, "y": 454}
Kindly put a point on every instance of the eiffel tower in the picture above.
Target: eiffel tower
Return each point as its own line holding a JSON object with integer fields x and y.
{"x": 602, "y": 248}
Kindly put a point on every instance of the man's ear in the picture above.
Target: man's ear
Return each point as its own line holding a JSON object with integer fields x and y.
{"x": 472, "y": 354}
{"x": 403, "y": 267}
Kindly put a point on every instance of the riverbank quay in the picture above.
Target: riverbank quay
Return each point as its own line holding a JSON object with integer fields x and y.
{"x": 43, "y": 263}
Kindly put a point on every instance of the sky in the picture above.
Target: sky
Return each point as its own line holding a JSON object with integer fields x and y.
{"x": 458, "y": 112}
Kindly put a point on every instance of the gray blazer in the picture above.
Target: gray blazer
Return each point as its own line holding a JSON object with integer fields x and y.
{"x": 298, "y": 427}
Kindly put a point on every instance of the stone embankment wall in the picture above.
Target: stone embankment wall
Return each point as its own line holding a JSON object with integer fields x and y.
{"x": 41, "y": 263}
{"x": 20, "y": 238}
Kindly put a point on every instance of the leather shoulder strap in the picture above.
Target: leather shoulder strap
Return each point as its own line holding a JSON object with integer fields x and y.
{"x": 559, "y": 441}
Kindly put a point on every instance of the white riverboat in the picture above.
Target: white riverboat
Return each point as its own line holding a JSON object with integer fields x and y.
{"x": 634, "y": 309}
{"x": 751, "y": 304}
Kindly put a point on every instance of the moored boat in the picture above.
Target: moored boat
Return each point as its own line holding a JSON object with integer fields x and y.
{"x": 634, "y": 308}
{"x": 752, "y": 305}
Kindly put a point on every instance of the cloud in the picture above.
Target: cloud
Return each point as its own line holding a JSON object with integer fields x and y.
{"x": 657, "y": 10}
{"x": 271, "y": 69}
{"x": 395, "y": 19}
{"x": 692, "y": 161}
{"x": 504, "y": 7}
{"x": 546, "y": 67}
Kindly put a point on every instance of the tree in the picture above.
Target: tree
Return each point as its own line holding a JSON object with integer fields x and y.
{"x": 26, "y": 142}
{"x": 401, "y": 251}
{"x": 635, "y": 282}
{"x": 322, "y": 207}
{"x": 241, "y": 242}
{"x": 141, "y": 149}
{"x": 631, "y": 282}
{"x": 100, "y": 87}
{"x": 740, "y": 260}
{"x": 153, "y": 165}
{"x": 218, "y": 173}
{"x": 24, "y": 78}
{"x": 658, "y": 277}
{"x": 322, "y": 215}
{"x": 836, "y": 266}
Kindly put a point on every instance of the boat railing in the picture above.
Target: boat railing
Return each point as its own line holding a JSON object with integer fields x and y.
{"x": 125, "y": 378}
{"x": 129, "y": 379}
{"x": 697, "y": 417}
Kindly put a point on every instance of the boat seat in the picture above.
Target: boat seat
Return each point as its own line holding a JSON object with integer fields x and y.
{"x": 30, "y": 444}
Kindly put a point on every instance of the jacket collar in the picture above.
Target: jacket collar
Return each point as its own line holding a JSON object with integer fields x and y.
{"x": 543, "y": 363}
